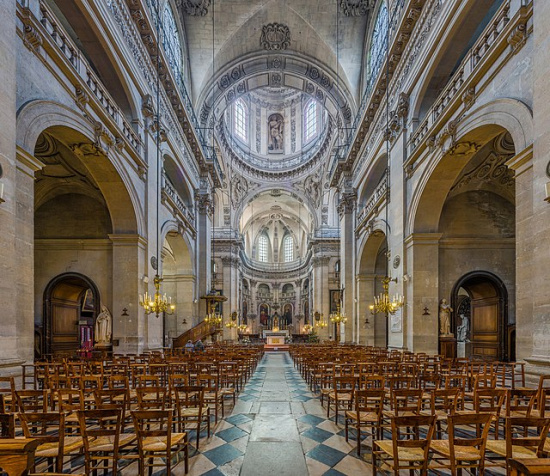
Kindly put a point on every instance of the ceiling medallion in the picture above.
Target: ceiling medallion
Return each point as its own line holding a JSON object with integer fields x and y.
{"x": 195, "y": 8}
{"x": 275, "y": 37}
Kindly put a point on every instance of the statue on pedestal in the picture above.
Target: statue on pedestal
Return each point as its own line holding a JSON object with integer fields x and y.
{"x": 445, "y": 318}
{"x": 103, "y": 324}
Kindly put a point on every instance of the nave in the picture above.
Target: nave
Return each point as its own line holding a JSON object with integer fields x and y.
{"x": 277, "y": 427}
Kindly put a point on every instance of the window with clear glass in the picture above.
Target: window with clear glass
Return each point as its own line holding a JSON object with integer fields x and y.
{"x": 288, "y": 248}
{"x": 171, "y": 41}
{"x": 262, "y": 248}
{"x": 310, "y": 121}
{"x": 379, "y": 41}
{"x": 241, "y": 120}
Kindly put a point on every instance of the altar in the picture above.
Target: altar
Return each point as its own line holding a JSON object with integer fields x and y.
{"x": 275, "y": 337}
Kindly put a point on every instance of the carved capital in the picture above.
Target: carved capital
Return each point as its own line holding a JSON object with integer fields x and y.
{"x": 356, "y": 8}
{"x": 348, "y": 201}
{"x": 194, "y": 8}
{"x": 204, "y": 203}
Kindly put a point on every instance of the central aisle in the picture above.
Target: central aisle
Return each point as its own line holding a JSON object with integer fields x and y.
{"x": 277, "y": 427}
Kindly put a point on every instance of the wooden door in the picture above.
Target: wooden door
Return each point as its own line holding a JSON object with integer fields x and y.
{"x": 65, "y": 336}
{"x": 485, "y": 332}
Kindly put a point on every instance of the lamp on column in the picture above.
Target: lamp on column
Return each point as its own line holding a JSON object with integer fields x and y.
{"x": 158, "y": 303}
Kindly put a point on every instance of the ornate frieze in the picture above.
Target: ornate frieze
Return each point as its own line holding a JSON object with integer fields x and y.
{"x": 356, "y": 8}
{"x": 275, "y": 37}
{"x": 195, "y": 8}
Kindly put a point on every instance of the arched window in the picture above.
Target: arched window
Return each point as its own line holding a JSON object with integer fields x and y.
{"x": 379, "y": 41}
{"x": 288, "y": 248}
{"x": 310, "y": 120}
{"x": 262, "y": 248}
{"x": 171, "y": 41}
{"x": 241, "y": 120}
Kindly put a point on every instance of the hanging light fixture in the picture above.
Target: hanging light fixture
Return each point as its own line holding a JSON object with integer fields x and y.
{"x": 383, "y": 303}
{"x": 158, "y": 303}
{"x": 338, "y": 317}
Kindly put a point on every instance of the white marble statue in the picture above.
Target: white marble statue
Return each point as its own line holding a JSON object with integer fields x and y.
{"x": 445, "y": 318}
{"x": 103, "y": 324}
{"x": 463, "y": 329}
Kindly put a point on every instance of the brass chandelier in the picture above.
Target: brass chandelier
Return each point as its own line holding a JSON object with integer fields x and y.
{"x": 338, "y": 317}
{"x": 383, "y": 303}
{"x": 158, "y": 303}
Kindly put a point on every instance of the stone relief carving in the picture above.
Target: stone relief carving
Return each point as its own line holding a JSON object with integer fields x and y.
{"x": 312, "y": 188}
{"x": 275, "y": 37}
{"x": 195, "y": 8}
{"x": 493, "y": 168}
{"x": 464, "y": 148}
{"x": 293, "y": 130}
{"x": 32, "y": 37}
{"x": 239, "y": 188}
{"x": 356, "y": 8}
{"x": 469, "y": 97}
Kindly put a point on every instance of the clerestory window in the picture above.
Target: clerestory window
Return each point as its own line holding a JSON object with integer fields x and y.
{"x": 262, "y": 248}
{"x": 241, "y": 120}
{"x": 310, "y": 121}
{"x": 288, "y": 248}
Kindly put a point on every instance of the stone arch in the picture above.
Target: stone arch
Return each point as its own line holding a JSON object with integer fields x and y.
{"x": 111, "y": 174}
{"x": 477, "y": 128}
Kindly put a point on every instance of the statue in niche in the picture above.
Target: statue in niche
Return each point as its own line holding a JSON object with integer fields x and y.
{"x": 276, "y": 129}
{"x": 445, "y": 318}
{"x": 103, "y": 327}
{"x": 287, "y": 315}
{"x": 463, "y": 330}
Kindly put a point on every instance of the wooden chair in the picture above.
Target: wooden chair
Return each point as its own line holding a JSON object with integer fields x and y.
{"x": 524, "y": 438}
{"x": 443, "y": 403}
{"x": 7, "y": 390}
{"x": 191, "y": 413}
{"x": 156, "y": 440}
{"x": 212, "y": 394}
{"x": 408, "y": 448}
{"x": 460, "y": 451}
{"x": 367, "y": 413}
{"x": 49, "y": 428}
{"x": 7, "y": 425}
{"x": 521, "y": 402}
{"x": 102, "y": 438}
{"x": 29, "y": 401}
{"x": 405, "y": 402}
{"x": 150, "y": 398}
{"x": 342, "y": 393}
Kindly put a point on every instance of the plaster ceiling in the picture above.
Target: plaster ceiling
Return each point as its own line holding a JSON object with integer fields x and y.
{"x": 231, "y": 29}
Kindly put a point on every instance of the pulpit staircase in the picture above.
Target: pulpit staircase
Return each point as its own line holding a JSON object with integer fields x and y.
{"x": 200, "y": 331}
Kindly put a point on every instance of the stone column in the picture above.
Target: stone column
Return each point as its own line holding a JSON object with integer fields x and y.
{"x": 298, "y": 308}
{"x": 16, "y": 215}
{"x": 535, "y": 279}
{"x": 204, "y": 249}
{"x": 231, "y": 290}
{"x": 365, "y": 291}
{"x": 253, "y": 308}
{"x": 129, "y": 258}
{"x": 422, "y": 290}
{"x": 522, "y": 164}
{"x": 346, "y": 210}
{"x": 321, "y": 296}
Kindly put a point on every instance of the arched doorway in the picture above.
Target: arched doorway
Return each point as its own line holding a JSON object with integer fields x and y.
{"x": 71, "y": 305}
{"x": 480, "y": 303}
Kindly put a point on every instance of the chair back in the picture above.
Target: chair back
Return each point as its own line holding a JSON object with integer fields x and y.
{"x": 7, "y": 425}
{"x": 412, "y": 433}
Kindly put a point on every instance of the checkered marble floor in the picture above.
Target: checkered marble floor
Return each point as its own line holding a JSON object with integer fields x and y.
{"x": 277, "y": 410}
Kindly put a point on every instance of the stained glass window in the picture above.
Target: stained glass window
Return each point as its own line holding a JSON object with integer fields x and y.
{"x": 288, "y": 248}
{"x": 262, "y": 248}
{"x": 379, "y": 41}
{"x": 171, "y": 41}
{"x": 310, "y": 121}
{"x": 241, "y": 120}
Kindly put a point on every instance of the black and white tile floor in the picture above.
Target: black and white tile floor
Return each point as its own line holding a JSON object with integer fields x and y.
{"x": 277, "y": 427}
